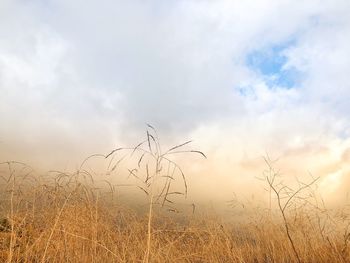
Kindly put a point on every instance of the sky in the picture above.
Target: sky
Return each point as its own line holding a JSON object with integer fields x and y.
{"x": 243, "y": 79}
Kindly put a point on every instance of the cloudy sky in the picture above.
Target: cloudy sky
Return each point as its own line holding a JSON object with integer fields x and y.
{"x": 241, "y": 78}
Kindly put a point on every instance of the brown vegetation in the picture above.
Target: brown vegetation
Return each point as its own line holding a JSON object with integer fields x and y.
{"x": 64, "y": 217}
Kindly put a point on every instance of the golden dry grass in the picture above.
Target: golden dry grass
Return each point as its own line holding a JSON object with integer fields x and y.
{"x": 68, "y": 217}
{"x": 74, "y": 222}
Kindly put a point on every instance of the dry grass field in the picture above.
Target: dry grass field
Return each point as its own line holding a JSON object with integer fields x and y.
{"x": 73, "y": 223}
{"x": 65, "y": 217}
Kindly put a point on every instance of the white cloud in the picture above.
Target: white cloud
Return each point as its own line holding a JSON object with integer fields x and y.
{"x": 93, "y": 73}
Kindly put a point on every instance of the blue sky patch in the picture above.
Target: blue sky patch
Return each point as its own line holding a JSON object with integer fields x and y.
{"x": 270, "y": 62}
